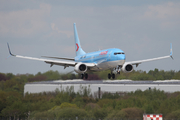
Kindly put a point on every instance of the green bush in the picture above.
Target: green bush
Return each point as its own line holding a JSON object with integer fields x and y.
{"x": 133, "y": 113}
{"x": 116, "y": 114}
{"x": 65, "y": 105}
{"x": 43, "y": 115}
{"x": 100, "y": 113}
{"x": 92, "y": 106}
{"x": 174, "y": 115}
{"x": 71, "y": 113}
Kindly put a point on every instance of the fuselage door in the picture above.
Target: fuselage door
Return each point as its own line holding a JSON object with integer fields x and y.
{"x": 92, "y": 58}
{"x": 109, "y": 56}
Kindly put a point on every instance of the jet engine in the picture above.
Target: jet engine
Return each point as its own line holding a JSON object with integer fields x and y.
{"x": 127, "y": 68}
{"x": 80, "y": 68}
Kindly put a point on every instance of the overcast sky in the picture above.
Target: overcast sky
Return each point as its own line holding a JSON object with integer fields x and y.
{"x": 142, "y": 29}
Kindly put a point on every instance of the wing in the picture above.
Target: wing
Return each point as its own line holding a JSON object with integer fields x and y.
{"x": 72, "y": 59}
{"x": 51, "y": 62}
{"x": 147, "y": 60}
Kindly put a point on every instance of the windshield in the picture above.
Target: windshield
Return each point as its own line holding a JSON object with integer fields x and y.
{"x": 118, "y": 53}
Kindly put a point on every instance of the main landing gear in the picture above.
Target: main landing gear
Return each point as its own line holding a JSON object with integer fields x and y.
{"x": 111, "y": 75}
{"x": 85, "y": 75}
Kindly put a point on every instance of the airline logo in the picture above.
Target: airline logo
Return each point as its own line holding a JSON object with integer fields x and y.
{"x": 77, "y": 47}
{"x": 103, "y": 53}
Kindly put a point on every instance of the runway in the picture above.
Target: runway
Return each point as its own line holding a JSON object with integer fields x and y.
{"x": 111, "y": 86}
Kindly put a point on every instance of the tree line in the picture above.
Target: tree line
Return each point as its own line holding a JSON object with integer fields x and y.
{"x": 135, "y": 75}
{"x": 67, "y": 104}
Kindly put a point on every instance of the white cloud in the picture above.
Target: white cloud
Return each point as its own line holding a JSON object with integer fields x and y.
{"x": 55, "y": 28}
{"x": 166, "y": 10}
{"x": 24, "y": 22}
{"x": 167, "y": 13}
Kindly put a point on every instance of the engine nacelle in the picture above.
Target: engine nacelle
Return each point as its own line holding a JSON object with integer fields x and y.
{"x": 127, "y": 68}
{"x": 80, "y": 68}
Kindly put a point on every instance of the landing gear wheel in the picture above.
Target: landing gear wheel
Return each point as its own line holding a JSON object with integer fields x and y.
{"x": 113, "y": 76}
{"x": 82, "y": 76}
{"x": 109, "y": 76}
{"x": 86, "y": 76}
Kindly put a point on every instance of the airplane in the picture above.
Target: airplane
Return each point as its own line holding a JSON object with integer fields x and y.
{"x": 113, "y": 59}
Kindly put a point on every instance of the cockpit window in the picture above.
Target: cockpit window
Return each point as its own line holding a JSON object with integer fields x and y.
{"x": 118, "y": 53}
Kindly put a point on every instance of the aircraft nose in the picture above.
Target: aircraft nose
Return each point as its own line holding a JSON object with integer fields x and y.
{"x": 122, "y": 57}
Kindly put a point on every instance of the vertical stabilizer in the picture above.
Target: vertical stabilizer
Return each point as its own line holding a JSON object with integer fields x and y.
{"x": 79, "y": 50}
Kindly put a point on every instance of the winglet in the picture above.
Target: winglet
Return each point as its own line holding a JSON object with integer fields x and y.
{"x": 171, "y": 51}
{"x": 10, "y": 50}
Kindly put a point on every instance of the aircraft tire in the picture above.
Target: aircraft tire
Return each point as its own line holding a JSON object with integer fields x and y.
{"x": 113, "y": 76}
{"x": 109, "y": 76}
{"x": 82, "y": 76}
{"x": 86, "y": 76}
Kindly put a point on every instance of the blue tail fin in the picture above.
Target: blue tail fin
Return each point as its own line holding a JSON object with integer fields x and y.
{"x": 79, "y": 50}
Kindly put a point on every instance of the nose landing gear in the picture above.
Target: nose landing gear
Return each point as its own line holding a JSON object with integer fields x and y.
{"x": 116, "y": 70}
